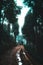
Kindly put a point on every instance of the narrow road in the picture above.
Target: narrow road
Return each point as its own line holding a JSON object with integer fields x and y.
{"x": 17, "y": 56}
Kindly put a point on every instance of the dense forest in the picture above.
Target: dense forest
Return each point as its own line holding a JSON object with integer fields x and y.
{"x": 32, "y": 29}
